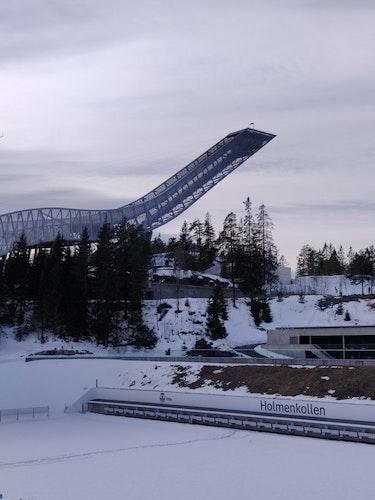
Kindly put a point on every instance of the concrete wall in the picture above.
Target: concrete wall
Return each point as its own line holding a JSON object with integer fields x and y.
{"x": 281, "y": 336}
{"x": 364, "y": 411}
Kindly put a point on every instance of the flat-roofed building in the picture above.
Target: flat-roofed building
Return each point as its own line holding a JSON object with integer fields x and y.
{"x": 340, "y": 342}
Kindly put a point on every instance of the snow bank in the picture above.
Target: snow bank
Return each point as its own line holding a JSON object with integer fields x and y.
{"x": 291, "y": 313}
{"x": 325, "y": 285}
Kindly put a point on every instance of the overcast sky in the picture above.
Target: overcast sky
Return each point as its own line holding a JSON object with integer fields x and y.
{"x": 102, "y": 100}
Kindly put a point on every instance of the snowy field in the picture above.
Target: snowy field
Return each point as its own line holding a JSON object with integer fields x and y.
{"x": 79, "y": 457}
{"x": 86, "y": 457}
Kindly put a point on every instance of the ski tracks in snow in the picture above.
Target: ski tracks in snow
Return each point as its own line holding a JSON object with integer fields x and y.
{"x": 95, "y": 453}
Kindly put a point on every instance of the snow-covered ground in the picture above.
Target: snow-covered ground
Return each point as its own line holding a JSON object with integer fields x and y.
{"x": 290, "y": 312}
{"x": 326, "y": 285}
{"x": 85, "y": 457}
{"x": 58, "y": 383}
{"x": 81, "y": 457}
{"x": 177, "y": 329}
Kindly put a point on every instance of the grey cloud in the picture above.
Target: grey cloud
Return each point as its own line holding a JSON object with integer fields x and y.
{"x": 333, "y": 207}
{"x": 100, "y": 101}
{"x": 38, "y": 28}
{"x": 64, "y": 197}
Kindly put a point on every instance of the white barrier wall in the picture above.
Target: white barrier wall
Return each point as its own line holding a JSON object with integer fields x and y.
{"x": 358, "y": 411}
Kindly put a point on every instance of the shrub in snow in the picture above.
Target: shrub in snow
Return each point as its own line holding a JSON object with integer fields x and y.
{"x": 142, "y": 336}
{"x": 340, "y": 309}
{"x": 216, "y": 315}
{"x": 347, "y": 316}
{"x": 161, "y": 307}
{"x": 267, "y": 316}
{"x": 204, "y": 348}
{"x": 261, "y": 311}
{"x": 256, "y": 311}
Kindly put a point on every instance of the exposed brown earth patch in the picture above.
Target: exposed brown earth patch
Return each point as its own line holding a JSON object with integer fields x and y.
{"x": 338, "y": 382}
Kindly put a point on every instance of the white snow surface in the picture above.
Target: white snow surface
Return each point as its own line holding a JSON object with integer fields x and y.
{"x": 177, "y": 329}
{"x": 81, "y": 457}
{"x": 85, "y": 457}
{"x": 326, "y": 285}
{"x": 291, "y": 313}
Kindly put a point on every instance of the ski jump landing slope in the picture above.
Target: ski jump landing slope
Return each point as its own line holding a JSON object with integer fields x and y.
{"x": 159, "y": 206}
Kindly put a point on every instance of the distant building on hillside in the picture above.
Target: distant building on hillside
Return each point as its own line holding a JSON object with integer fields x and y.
{"x": 164, "y": 259}
{"x": 284, "y": 275}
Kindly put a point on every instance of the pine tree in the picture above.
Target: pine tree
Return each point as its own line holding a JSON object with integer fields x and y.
{"x": 264, "y": 238}
{"x": 307, "y": 261}
{"x": 248, "y": 225}
{"x": 341, "y": 259}
{"x": 267, "y": 315}
{"x": 229, "y": 249}
{"x": 184, "y": 239}
{"x": 256, "y": 310}
{"x": 216, "y": 315}
{"x": 196, "y": 228}
{"x": 104, "y": 323}
{"x": 3, "y": 293}
{"x": 17, "y": 275}
{"x": 38, "y": 288}
{"x": 76, "y": 289}
{"x": 53, "y": 283}
{"x": 207, "y": 253}
{"x": 158, "y": 245}
{"x": 361, "y": 267}
{"x": 132, "y": 258}
{"x": 208, "y": 232}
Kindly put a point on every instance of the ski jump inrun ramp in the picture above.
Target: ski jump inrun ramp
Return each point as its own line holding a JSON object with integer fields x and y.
{"x": 159, "y": 206}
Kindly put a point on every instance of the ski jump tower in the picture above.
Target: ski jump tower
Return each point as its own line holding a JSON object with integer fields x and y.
{"x": 159, "y": 206}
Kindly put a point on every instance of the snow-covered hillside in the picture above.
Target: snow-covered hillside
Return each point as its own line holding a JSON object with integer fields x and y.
{"x": 326, "y": 285}
{"x": 290, "y": 312}
{"x": 178, "y": 331}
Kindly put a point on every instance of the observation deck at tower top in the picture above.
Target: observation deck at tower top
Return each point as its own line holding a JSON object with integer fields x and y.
{"x": 164, "y": 203}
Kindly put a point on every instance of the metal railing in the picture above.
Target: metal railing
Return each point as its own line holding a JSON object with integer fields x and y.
{"x": 343, "y": 431}
{"x": 222, "y": 360}
{"x": 18, "y": 413}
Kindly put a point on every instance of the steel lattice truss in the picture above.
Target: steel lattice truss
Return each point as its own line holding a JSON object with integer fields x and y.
{"x": 159, "y": 206}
